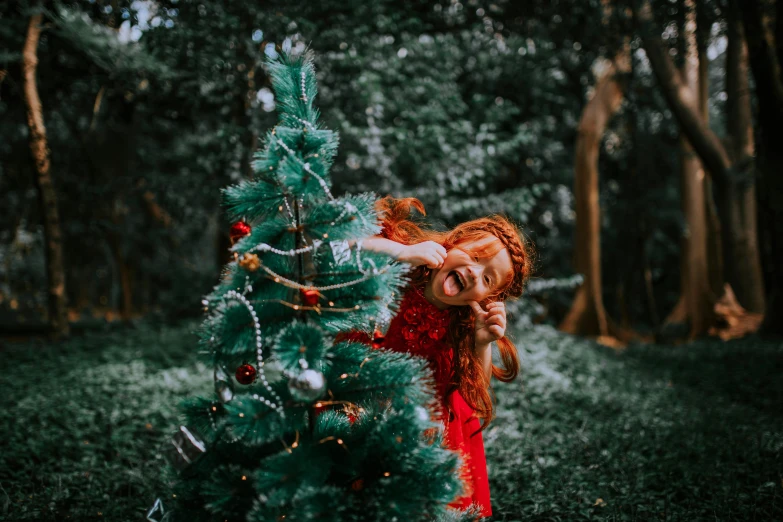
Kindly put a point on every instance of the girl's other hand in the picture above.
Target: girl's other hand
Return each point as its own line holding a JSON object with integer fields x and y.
{"x": 427, "y": 253}
{"x": 490, "y": 324}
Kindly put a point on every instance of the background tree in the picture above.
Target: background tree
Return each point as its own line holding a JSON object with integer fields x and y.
{"x": 587, "y": 315}
{"x": 58, "y": 321}
{"x": 682, "y": 98}
{"x": 765, "y": 54}
{"x": 471, "y": 106}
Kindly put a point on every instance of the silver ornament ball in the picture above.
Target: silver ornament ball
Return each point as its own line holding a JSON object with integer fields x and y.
{"x": 307, "y": 386}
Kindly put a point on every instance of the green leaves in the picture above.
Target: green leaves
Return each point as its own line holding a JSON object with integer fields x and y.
{"x": 299, "y": 341}
{"x": 293, "y": 78}
{"x": 362, "y": 374}
{"x": 104, "y": 46}
{"x": 284, "y": 474}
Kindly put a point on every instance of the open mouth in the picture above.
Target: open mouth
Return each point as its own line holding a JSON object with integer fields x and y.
{"x": 453, "y": 284}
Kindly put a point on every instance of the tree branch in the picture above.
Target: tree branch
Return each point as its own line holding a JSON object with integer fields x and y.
{"x": 681, "y": 99}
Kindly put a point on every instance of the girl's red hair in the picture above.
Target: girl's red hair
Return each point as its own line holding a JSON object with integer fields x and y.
{"x": 469, "y": 379}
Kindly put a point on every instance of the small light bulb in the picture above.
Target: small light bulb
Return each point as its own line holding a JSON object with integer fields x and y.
{"x": 318, "y": 404}
{"x": 356, "y": 307}
{"x": 295, "y": 445}
{"x": 386, "y": 473}
{"x": 214, "y": 408}
{"x": 244, "y": 477}
{"x": 277, "y": 279}
{"x": 343, "y": 376}
{"x": 340, "y": 441}
{"x": 326, "y": 235}
{"x": 296, "y": 307}
{"x": 331, "y": 303}
{"x": 241, "y": 414}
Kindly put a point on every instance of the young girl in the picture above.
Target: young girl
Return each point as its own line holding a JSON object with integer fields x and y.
{"x": 450, "y": 314}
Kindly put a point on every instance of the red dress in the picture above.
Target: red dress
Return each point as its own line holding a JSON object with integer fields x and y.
{"x": 419, "y": 328}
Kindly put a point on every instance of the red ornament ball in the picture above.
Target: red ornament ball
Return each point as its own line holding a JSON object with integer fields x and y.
{"x": 239, "y": 230}
{"x": 246, "y": 374}
{"x": 357, "y": 485}
{"x": 377, "y": 339}
{"x": 310, "y": 296}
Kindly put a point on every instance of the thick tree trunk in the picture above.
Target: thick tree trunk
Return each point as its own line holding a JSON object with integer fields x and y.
{"x": 697, "y": 290}
{"x": 714, "y": 229}
{"x": 729, "y": 174}
{"x": 58, "y": 318}
{"x": 587, "y": 315}
{"x": 741, "y": 255}
{"x": 697, "y": 298}
{"x": 766, "y": 66}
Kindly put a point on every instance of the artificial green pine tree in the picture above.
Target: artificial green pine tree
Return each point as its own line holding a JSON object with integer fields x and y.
{"x": 301, "y": 427}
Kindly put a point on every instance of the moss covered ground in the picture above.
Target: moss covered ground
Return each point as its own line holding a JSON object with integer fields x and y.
{"x": 689, "y": 432}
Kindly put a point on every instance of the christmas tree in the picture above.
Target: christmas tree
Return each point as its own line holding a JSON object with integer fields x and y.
{"x": 301, "y": 427}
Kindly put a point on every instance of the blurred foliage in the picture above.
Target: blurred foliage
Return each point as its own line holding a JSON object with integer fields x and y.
{"x": 471, "y": 106}
{"x": 656, "y": 432}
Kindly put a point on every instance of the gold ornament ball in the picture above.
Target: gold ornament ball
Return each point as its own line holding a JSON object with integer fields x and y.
{"x": 250, "y": 262}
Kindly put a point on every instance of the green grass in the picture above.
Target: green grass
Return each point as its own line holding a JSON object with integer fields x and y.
{"x": 690, "y": 432}
{"x": 84, "y": 421}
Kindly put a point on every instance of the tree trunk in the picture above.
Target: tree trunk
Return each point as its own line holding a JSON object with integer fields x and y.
{"x": 729, "y": 174}
{"x": 742, "y": 262}
{"x": 587, "y": 315}
{"x": 766, "y": 66}
{"x": 714, "y": 230}
{"x": 699, "y": 296}
{"x": 697, "y": 291}
{"x": 58, "y": 318}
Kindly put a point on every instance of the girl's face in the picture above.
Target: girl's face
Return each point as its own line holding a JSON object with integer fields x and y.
{"x": 464, "y": 278}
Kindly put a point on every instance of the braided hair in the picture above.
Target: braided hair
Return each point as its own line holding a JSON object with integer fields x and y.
{"x": 468, "y": 378}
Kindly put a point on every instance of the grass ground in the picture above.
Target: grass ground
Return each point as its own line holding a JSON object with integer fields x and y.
{"x": 652, "y": 433}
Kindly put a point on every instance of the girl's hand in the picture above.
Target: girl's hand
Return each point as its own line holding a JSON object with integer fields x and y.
{"x": 427, "y": 253}
{"x": 490, "y": 325}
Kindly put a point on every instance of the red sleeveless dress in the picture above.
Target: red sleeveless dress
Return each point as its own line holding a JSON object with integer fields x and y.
{"x": 419, "y": 328}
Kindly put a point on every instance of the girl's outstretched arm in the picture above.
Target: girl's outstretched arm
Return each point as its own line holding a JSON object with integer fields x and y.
{"x": 427, "y": 253}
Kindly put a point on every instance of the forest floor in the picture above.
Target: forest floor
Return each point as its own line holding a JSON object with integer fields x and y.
{"x": 689, "y": 432}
